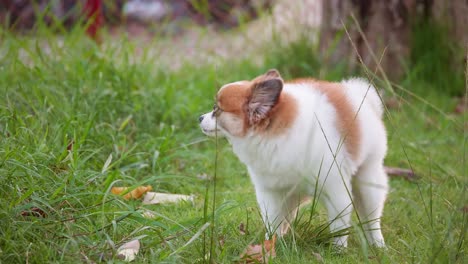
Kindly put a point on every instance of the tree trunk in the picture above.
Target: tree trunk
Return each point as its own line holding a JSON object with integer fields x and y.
{"x": 384, "y": 24}
{"x": 454, "y": 15}
{"x": 335, "y": 45}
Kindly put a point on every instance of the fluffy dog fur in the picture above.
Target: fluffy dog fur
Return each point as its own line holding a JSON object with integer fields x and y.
{"x": 305, "y": 136}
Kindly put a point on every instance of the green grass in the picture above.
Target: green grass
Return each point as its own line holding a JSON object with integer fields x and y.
{"x": 63, "y": 112}
{"x": 436, "y": 60}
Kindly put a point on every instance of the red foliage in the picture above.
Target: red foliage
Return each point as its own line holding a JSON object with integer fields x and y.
{"x": 95, "y": 19}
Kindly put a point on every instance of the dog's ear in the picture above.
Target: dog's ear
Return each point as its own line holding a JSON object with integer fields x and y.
{"x": 273, "y": 73}
{"x": 265, "y": 95}
{"x": 270, "y": 74}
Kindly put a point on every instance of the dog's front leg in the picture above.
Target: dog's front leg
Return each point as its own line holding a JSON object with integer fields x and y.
{"x": 275, "y": 207}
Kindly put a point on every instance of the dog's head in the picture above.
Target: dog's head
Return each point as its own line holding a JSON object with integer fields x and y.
{"x": 245, "y": 106}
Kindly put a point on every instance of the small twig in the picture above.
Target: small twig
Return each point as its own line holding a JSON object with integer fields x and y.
{"x": 98, "y": 230}
{"x": 172, "y": 237}
{"x": 85, "y": 258}
{"x": 85, "y": 208}
{"x": 400, "y": 172}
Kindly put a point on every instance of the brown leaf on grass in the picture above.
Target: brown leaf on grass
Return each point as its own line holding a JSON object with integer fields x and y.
{"x": 203, "y": 177}
{"x": 160, "y": 198}
{"x": 133, "y": 194}
{"x": 221, "y": 241}
{"x": 260, "y": 253}
{"x": 85, "y": 258}
{"x": 242, "y": 230}
{"x": 406, "y": 173}
{"x": 129, "y": 250}
{"x": 393, "y": 103}
{"x": 70, "y": 145}
{"x": 34, "y": 211}
{"x": 461, "y": 107}
{"x": 148, "y": 214}
{"x": 317, "y": 257}
{"x": 464, "y": 209}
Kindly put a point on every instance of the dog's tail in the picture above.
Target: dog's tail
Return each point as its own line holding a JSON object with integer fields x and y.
{"x": 361, "y": 90}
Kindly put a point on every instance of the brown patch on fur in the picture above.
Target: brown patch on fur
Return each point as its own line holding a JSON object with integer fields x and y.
{"x": 233, "y": 98}
{"x": 347, "y": 122}
{"x": 281, "y": 116}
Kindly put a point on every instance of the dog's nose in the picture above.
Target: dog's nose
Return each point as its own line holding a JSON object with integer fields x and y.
{"x": 201, "y": 118}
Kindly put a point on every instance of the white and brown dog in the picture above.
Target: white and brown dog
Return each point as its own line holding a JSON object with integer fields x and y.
{"x": 305, "y": 136}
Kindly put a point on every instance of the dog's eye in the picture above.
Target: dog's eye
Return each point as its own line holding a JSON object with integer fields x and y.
{"x": 216, "y": 110}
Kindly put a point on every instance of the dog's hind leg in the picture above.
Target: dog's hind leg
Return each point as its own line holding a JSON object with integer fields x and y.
{"x": 370, "y": 189}
{"x": 339, "y": 206}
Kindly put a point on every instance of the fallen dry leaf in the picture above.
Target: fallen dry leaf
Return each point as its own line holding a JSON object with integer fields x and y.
{"x": 406, "y": 173}
{"x": 260, "y": 253}
{"x": 159, "y": 198}
{"x": 148, "y": 214}
{"x": 317, "y": 257}
{"x": 134, "y": 194}
{"x": 129, "y": 250}
{"x": 242, "y": 230}
{"x": 393, "y": 103}
{"x": 461, "y": 107}
{"x": 106, "y": 164}
{"x": 70, "y": 145}
{"x": 465, "y": 209}
{"x": 34, "y": 211}
{"x": 221, "y": 241}
{"x": 203, "y": 177}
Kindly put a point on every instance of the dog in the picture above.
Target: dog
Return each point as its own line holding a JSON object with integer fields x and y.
{"x": 303, "y": 137}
